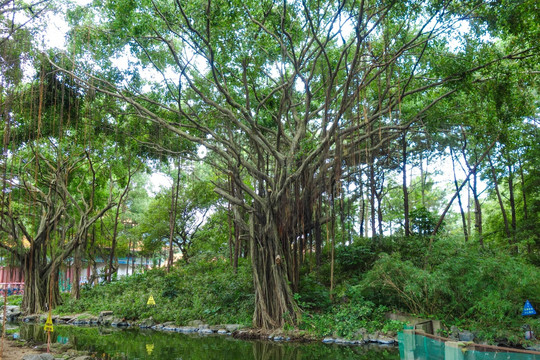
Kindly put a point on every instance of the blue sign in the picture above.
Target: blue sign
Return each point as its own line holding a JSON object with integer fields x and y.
{"x": 528, "y": 309}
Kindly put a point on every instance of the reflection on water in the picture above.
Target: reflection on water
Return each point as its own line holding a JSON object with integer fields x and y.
{"x": 417, "y": 347}
{"x": 115, "y": 344}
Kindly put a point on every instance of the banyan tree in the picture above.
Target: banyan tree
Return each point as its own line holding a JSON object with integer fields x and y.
{"x": 289, "y": 99}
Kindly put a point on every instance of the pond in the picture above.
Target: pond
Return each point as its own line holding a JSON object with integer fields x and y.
{"x": 112, "y": 344}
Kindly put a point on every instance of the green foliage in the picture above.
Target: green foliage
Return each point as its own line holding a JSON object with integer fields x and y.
{"x": 195, "y": 201}
{"x": 312, "y": 294}
{"x": 209, "y": 291}
{"x": 423, "y": 221}
{"x": 213, "y": 235}
{"x": 349, "y": 319}
{"x": 456, "y": 282}
{"x": 358, "y": 256}
{"x": 170, "y": 290}
{"x": 15, "y": 300}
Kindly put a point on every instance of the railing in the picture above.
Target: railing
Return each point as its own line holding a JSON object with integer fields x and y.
{"x": 414, "y": 344}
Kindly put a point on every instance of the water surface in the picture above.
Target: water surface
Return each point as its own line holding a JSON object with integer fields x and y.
{"x": 112, "y": 344}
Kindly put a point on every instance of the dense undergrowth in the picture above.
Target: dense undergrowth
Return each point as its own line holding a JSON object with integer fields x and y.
{"x": 474, "y": 288}
{"x": 477, "y": 288}
{"x": 208, "y": 291}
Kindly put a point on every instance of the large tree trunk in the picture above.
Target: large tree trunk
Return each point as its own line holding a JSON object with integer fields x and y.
{"x": 274, "y": 302}
{"x": 35, "y": 287}
{"x": 39, "y": 288}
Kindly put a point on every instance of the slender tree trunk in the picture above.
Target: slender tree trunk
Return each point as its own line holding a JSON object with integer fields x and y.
{"x": 469, "y": 220}
{"x": 362, "y": 221}
{"x": 372, "y": 196}
{"x": 130, "y": 256}
{"x": 92, "y": 258}
{"x": 474, "y": 189}
{"x": 342, "y": 218}
{"x": 351, "y": 219}
{"x": 512, "y": 200}
{"x": 404, "y": 186}
{"x": 112, "y": 255}
{"x": 296, "y": 238}
{"x": 524, "y": 197}
{"x": 473, "y": 169}
{"x": 172, "y": 217}
{"x": 463, "y": 220}
{"x": 318, "y": 234}
{"x": 115, "y": 229}
{"x": 366, "y": 215}
{"x": 477, "y": 210}
{"x": 501, "y": 203}
{"x": 422, "y": 181}
{"x": 523, "y": 191}
{"x": 362, "y": 204}
{"x": 134, "y": 257}
{"x": 77, "y": 265}
{"x": 231, "y": 231}
{"x": 238, "y": 218}
{"x": 379, "y": 206}
{"x": 332, "y": 244}
{"x": 238, "y": 215}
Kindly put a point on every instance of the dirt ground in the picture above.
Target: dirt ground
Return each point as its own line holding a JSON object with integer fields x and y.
{"x": 13, "y": 352}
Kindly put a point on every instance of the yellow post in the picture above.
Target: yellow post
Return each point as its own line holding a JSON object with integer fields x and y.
{"x": 48, "y": 324}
